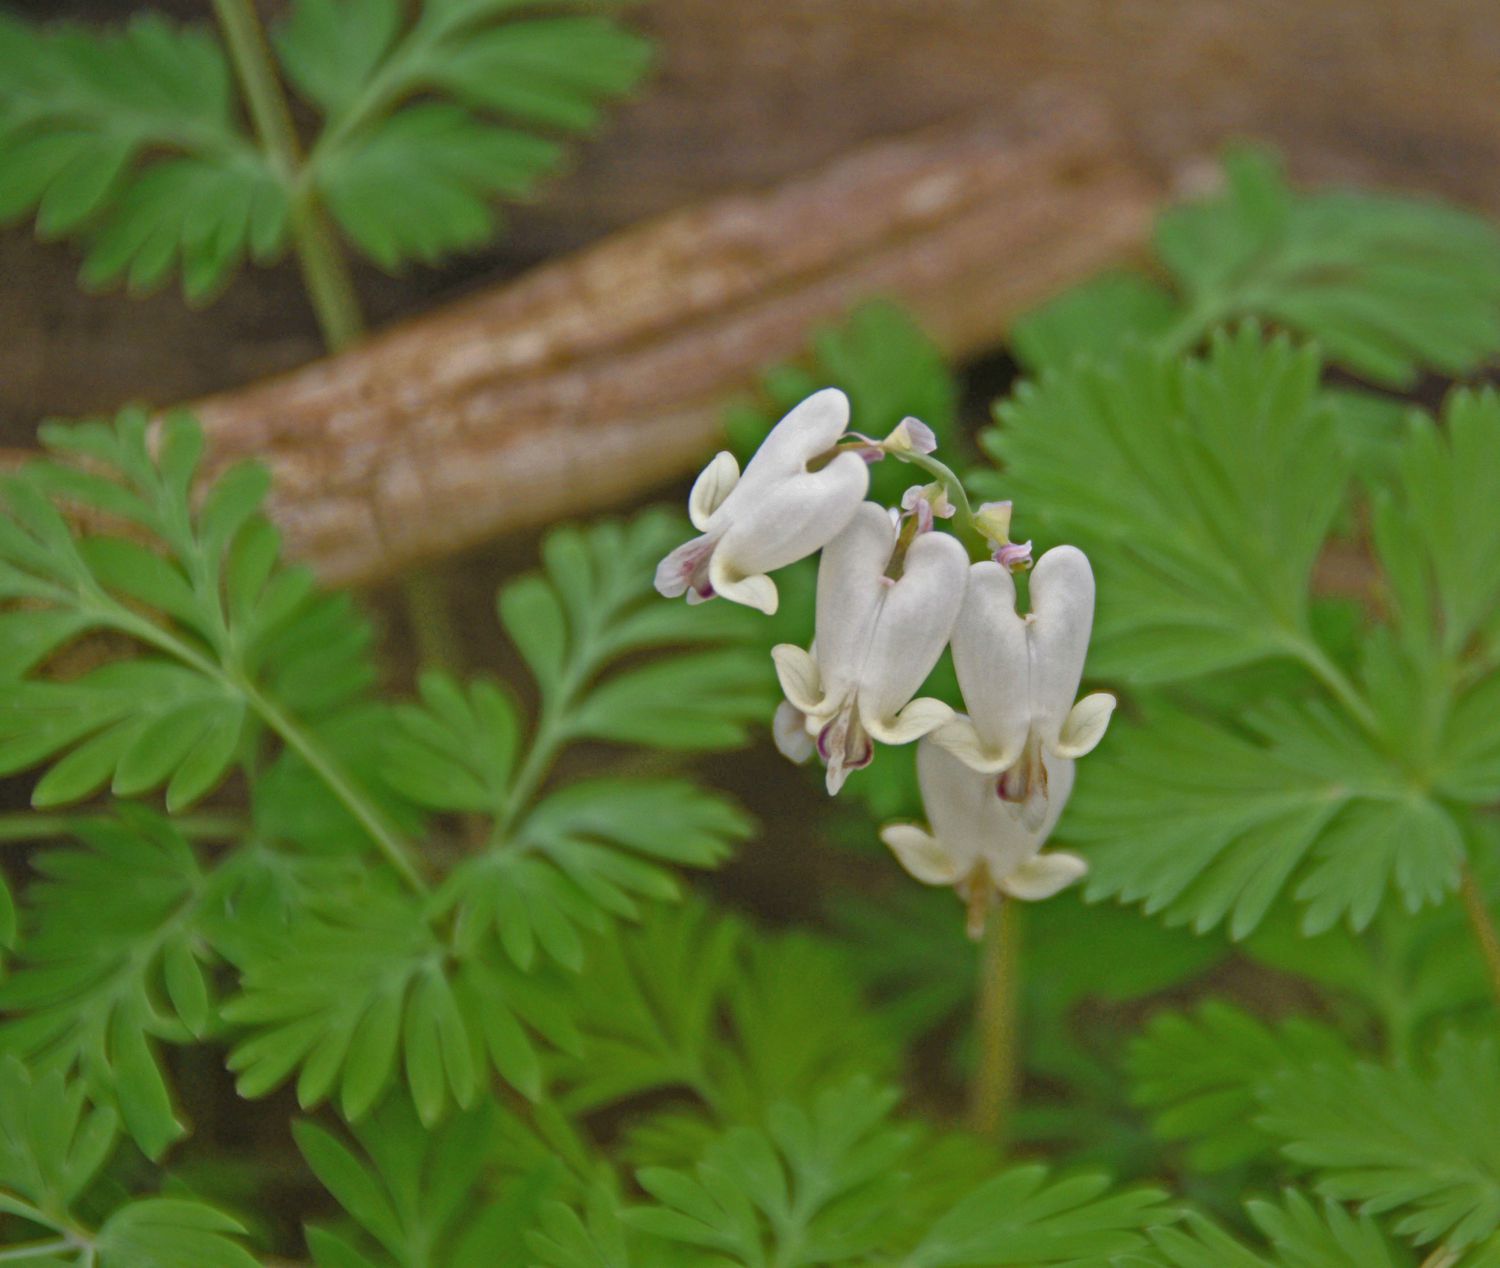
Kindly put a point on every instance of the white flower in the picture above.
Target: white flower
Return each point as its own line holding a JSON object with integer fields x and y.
{"x": 778, "y": 512}
{"x": 980, "y": 843}
{"x": 876, "y": 639}
{"x": 1020, "y": 675}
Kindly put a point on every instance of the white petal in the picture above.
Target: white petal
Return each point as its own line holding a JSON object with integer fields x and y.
{"x": 789, "y": 730}
{"x": 1062, "y": 605}
{"x": 921, "y": 717}
{"x": 990, "y": 654}
{"x": 755, "y": 590}
{"x": 798, "y": 673}
{"x": 968, "y": 815}
{"x": 851, "y": 588}
{"x": 1043, "y": 876}
{"x": 956, "y": 801}
{"x": 913, "y": 626}
{"x": 787, "y": 520}
{"x": 809, "y": 429}
{"x": 922, "y": 854}
{"x": 1085, "y": 725}
{"x": 960, "y": 738}
{"x": 713, "y": 485}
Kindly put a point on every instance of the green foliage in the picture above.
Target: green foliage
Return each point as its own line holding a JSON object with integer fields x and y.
{"x": 135, "y": 140}
{"x": 1302, "y": 1235}
{"x": 52, "y": 1146}
{"x": 828, "y": 1185}
{"x": 694, "y": 1004}
{"x": 416, "y": 1197}
{"x": 131, "y": 139}
{"x": 1296, "y": 793}
{"x": 223, "y": 628}
{"x": 1425, "y": 1145}
{"x": 1203, "y": 1076}
{"x": 417, "y": 143}
{"x": 114, "y": 960}
{"x": 1202, "y": 490}
{"x": 1387, "y": 286}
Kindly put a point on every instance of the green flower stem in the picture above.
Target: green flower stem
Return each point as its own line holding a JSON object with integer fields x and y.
{"x": 978, "y": 544}
{"x": 1482, "y": 923}
{"x": 325, "y": 271}
{"x": 995, "y": 1016}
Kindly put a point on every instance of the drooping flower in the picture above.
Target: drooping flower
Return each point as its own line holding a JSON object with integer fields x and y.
{"x": 979, "y": 842}
{"x": 1020, "y": 675}
{"x": 779, "y": 511}
{"x": 877, "y": 636}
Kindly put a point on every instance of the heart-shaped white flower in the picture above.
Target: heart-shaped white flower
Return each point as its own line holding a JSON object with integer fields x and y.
{"x": 877, "y": 637}
{"x": 777, "y": 512}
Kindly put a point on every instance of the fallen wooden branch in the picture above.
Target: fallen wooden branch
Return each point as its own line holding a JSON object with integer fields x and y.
{"x": 600, "y": 375}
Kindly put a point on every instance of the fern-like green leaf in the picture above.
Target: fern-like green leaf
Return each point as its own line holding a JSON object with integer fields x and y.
{"x": 1423, "y": 1146}
{"x": 417, "y": 179}
{"x": 1207, "y": 824}
{"x": 365, "y": 987}
{"x": 1202, "y": 1075}
{"x": 52, "y": 1141}
{"x": 115, "y": 961}
{"x": 226, "y": 634}
{"x": 1302, "y": 1234}
{"x": 131, "y": 140}
{"x": 831, "y": 1184}
{"x": 1387, "y": 286}
{"x": 416, "y": 1197}
{"x": 1202, "y": 490}
{"x": 688, "y": 1003}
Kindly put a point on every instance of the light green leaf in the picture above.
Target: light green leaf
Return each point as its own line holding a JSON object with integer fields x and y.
{"x": 1208, "y": 824}
{"x": 130, "y": 139}
{"x": 1202, "y": 491}
{"x": 1423, "y": 1146}
{"x": 113, "y": 964}
{"x": 1387, "y": 286}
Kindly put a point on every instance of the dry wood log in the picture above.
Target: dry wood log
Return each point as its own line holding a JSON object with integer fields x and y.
{"x": 1373, "y": 91}
{"x": 596, "y": 376}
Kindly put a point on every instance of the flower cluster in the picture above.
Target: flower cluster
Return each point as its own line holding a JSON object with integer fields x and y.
{"x": 893, "y": 592}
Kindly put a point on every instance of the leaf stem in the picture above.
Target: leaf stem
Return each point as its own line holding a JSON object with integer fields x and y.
{"x": 332, "y": 774}
{"x": 1482, "y": 924}
{"x": 1316, "y": 660}
{"x": 325, "y": 271}
{"x": 37, "y": 1250}
{"x": 995, "y": 1015}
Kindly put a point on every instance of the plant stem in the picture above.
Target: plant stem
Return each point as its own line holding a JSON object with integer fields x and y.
{"x": 328, "y": 770}
{"x": 1483, "y": 926}
{"x": 995, "y": 1023}
{"x": 978, "y": 543}
{"x": 325, "y": 271}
